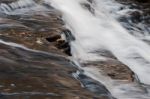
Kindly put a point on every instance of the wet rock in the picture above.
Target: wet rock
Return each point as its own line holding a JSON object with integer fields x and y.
{"x": 69, "y": 36}
{"x": 88, "y": 6}
{"x": 63, "y": 45}
{"x": 143, "y": 1}
{"x": 114, "y": 69}
{"x": 43, "y": 72}
{"x": 92, "y": 85}
{"x": 135, "y": 17}
{"x": 37, "y": 75}
{"x": 53, "y": 38}
{"x": 67, "y": 51}
{"x": 35, "y": 30}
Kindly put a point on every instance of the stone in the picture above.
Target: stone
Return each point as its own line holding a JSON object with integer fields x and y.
{"x": 44, "y": 70}
{"x": 114, "y": 69}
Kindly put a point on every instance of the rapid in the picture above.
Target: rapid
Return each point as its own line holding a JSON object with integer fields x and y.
{"x": 96, "y": 29}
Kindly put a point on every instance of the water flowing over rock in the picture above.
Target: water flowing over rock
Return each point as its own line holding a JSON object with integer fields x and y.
{"x": 34, "y": 61}
{"x": 74, "y": 49}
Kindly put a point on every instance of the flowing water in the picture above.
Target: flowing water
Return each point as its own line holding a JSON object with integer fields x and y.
{"x": 97, "y": 29}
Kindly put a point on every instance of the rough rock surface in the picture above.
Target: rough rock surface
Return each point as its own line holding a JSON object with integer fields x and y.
{"x": 114, "y": 69}
{"x": 36, "y": 75}
{"x": 42, "y": 74}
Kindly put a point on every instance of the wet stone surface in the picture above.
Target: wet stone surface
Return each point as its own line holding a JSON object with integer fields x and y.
{"x": 26, "y": 74}
{"x": 114, "y": 69}
{"x": 37, "y": 76}
{"x": 33, "y": 29}
{"x": 42, "y": 74}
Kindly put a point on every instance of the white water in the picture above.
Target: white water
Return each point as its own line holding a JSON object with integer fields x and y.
{"x": 21, "y": 7}
{"x": 101, "y": 31}
{"x": 95, "y": 33}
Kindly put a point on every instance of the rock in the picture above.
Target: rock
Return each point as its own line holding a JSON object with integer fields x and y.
{"x": 69, "y": 36}
{"x": 53, "y": 38}
{"x": 92, "y": 85}
{"x": 67, "y": 51}
{"x": 114, "y": 69}
{"x": 88, "y": 6}
{"x": 142, "y": 1}
{"x": 135, "y": 17}
{"x": 43, "y": 72}
{"x": 33, "y": 28}
{"x": 38, "y": 75}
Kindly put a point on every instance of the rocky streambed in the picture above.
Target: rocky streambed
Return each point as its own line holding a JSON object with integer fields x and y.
{"x": 35, "y": 59}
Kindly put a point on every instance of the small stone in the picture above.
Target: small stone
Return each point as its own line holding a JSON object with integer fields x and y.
{"x": 39, "y": 41}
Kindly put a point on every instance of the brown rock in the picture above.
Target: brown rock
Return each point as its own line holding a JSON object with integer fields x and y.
{"x": 29, "y": 74}
{"x": 114, "y": 69}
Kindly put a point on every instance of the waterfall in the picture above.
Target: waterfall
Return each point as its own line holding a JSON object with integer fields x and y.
{"x": 95, "y": 29}
{"x": 100, "y": 31}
